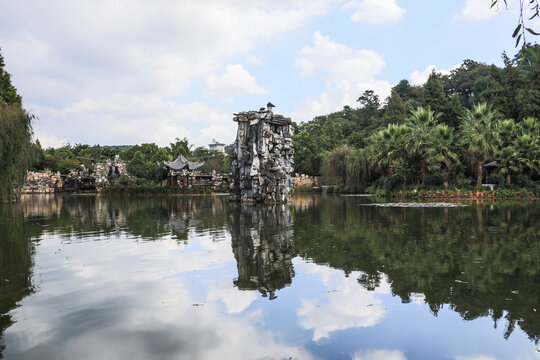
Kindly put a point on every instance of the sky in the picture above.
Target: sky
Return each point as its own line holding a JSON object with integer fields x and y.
{"x": 127, "y": 72}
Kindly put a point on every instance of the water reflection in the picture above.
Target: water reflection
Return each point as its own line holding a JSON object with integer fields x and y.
{"x": 262, "y": 242}
{"x": 481, "y": 260}
{"x": 163, "y": 276}
{"x": 16, "y": 250}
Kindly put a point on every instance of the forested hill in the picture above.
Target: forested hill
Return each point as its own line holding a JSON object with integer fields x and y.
{"x": 510, "y": 92}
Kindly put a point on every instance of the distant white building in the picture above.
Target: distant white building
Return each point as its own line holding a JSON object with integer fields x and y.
{"x": 216, "y": 146}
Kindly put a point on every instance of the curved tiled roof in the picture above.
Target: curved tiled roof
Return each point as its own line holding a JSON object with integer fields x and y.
{"x": 182, "y": 163}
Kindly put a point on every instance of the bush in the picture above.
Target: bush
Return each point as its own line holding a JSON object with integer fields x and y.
{"x": 390, "y": 183}
{"x": 496, "y": 179}
{"x": 64, "y": 166}
{"x": 434, "y": 179}
{"x": 520, "y": 180}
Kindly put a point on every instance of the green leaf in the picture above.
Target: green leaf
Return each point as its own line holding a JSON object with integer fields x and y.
{"x": 516, "y": 31}
{"x": 532, "y": 31}
{"x": 518, "y": 39}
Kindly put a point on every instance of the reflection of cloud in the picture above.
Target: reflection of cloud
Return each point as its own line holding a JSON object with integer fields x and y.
{"x": 346, "y": 305}
{"x": 141, "y": 312}
{"x": 234, "y": 299}
{"x": 379, "y": 355}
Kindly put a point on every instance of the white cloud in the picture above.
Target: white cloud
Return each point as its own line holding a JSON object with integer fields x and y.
{"x": 134, "y": 119}
{"x": 420, "y": 77}
{"x": 478, "y": 10}
{"x": 47, "y": 140}
{"x": 235, "y": 81}
{"x": 255, "y": 60}
{"x": 379, "y": 355}
{"x": 349, "y": 72}
{"x": 475, "y": 357}
{"x": 375, "y": 12}
{"x": 63, "y": 54}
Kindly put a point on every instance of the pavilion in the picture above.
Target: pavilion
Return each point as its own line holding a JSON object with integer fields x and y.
{"x": 183, "y": 168}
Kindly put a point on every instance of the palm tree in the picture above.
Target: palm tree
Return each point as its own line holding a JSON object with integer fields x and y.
{"x": 507, "y": 132}
{"x": 386, "y": 149}
{"x": 421, "y": 124}
{"x": 508, "y": 162}
{"x": 480, "y": 136}
{"x": 441, "y": 154}
{"x": 528, "y": 151}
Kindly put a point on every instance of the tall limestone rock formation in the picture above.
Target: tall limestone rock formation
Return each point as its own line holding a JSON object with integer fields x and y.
{"x": 262, "y": 162}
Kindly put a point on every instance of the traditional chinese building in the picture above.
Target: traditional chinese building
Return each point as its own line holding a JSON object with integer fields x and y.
{"x": 181, "y": 171}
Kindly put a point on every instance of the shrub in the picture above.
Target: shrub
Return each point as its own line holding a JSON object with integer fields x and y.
{"x": 64, "y": 166}
{"x": 390, "y": 183}
{"x": 434, "y": 179}
{"x": 495, "y": 178}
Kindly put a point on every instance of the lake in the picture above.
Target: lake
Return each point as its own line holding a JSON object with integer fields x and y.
{"x": 89, "y": 277}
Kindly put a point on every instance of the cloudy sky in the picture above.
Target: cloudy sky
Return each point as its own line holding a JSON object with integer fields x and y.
{"x": 133, "y": 71}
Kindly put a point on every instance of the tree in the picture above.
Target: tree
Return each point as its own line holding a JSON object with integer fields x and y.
{"x": 180, "y": 147}
{"x": 480, "y": 136}
{"x": 15, "y": 136}
{"x": 421, "y": 124}
{"x": 15, "y": 140}
{"x": 8, "y": 92}
{"x": 521, "y": 29}
{"x": 435, "y": 98}
{"x": 387, "y": 150}
{"x": 395, "y": 111}
{"x": 441, "y": 152}
{"x": 508, "y": 162}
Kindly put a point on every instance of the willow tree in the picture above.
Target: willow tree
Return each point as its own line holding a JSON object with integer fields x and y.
{"x": 480, "y": 136}
{"x": 15, "y": 136}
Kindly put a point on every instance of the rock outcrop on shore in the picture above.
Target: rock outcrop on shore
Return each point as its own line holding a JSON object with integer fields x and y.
{"x": 262, "y": 162}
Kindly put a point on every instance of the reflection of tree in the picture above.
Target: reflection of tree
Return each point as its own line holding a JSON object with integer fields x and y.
{"x": 482, "y": 260}
{"x": 16, "y": 251}
{"x": 263, "y": 247}
{"x": 74, "y": 217}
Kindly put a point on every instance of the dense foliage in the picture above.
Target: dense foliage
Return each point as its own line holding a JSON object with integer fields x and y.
{"x": 16, "y": 147}
{"x": 440, "y": 133}
{"x": 144, "y": 162}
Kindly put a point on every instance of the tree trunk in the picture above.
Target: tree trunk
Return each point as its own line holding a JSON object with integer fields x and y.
{"x": 423, "y": 170}
{"x": 508, "y": 179}
{"x": 479, "y": 174}
{"x": 445, "y": 178}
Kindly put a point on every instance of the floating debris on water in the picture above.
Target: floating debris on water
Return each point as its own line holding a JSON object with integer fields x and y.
{"x": 415, "y": 205}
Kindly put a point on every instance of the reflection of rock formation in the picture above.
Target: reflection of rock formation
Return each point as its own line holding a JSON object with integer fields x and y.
{"x": 262, "y": 241}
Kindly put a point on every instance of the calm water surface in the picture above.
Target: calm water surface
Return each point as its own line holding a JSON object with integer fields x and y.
{"x": 84, "y": 277}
